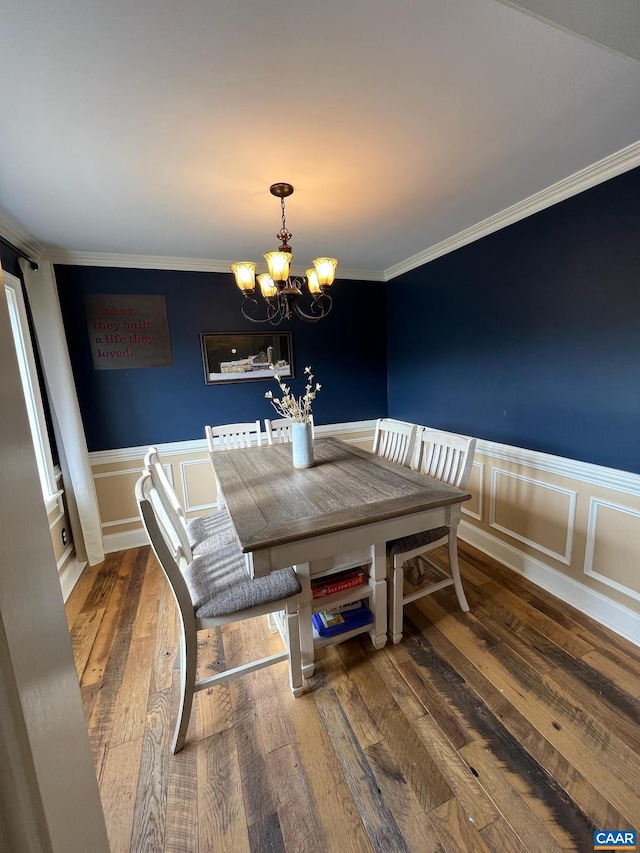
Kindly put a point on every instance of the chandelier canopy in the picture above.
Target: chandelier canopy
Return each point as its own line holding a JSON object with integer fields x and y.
{"x": 283, "y": 293}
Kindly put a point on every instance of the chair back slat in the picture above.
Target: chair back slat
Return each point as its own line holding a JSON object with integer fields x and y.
{"x": 279, "y": 430}
{"x": 170, "y": 503}
{"x": 233, "y": 436}
{"x": 393, "y": 440}
{"x": 444, "y": 455}
{"x": 165, "y": 542}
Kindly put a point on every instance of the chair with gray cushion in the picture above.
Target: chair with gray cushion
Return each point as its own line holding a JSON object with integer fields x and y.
{"x": 212, "y": 589}
{"x": 393, "y": 440}
{"x": 192, "y": 532}
{"x": 447, "y": 457}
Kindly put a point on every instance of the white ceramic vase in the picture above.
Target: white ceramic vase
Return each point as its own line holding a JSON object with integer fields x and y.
{"x": 302, "y": 445}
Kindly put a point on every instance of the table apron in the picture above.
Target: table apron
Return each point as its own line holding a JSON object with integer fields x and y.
{"x": 263, "y": 561}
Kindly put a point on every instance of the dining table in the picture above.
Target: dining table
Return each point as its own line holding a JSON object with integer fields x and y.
{"x": 338, "y": 514}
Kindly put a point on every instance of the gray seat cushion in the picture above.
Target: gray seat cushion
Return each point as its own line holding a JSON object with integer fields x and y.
{"x": 219, "y": 583}
{"x": 200, "y": 529}
{"x": 416, "y": 540}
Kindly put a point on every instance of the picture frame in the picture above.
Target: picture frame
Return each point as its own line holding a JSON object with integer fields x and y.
{"x": 244, "y": 356}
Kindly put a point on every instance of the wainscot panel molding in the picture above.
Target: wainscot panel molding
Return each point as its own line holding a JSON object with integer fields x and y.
{"x": 476, "y": 487}
{"x": 618, "y": 544}
{"x": 204, "y": 506}
{"x": 568, "y": 522}
{"x": 609, "y": 613}
{"x": 582, "y": 543}
{"x": 611, "y": 166}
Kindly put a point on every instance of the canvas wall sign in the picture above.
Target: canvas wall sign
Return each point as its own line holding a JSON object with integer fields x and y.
{"x": 128, "y": 331}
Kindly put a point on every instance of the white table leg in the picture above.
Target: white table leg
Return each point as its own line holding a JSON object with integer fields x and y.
{"x": 303, "y": 572}
{"x": 378, "y": 581}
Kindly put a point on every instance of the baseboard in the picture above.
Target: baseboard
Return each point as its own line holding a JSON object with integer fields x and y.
{"x": 69, "y": 574}
{"x": 123, "y": 541}
{"x": 609, "y": 613}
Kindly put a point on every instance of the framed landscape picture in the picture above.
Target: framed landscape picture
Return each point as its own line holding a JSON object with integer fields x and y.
{"x": 245, "y": 356}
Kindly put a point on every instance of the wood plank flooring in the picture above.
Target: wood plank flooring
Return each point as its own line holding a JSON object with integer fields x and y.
{"x": 515, "y": 727}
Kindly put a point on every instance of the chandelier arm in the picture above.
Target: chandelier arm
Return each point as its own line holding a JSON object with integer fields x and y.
{"x": 318, "y": 306}
{"x": 275, "y": 314}
{"x": 244, "y": 307}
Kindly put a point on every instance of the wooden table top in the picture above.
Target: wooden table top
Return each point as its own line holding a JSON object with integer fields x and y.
{"x": 272, "y": 503}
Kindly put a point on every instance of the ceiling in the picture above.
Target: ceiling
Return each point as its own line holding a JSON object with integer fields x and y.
{"x": 155, "y": 128}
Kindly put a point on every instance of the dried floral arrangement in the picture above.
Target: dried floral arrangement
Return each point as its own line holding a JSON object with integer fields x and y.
{"x": 289, "y": 406}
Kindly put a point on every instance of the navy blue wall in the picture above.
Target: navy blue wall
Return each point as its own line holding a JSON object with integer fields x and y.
{"x": 530, "y": 336}
{"x": 122, "y": 408}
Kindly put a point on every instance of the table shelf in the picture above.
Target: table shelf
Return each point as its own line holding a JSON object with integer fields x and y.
{"x": 345, "y": 596}
{"x": 319, "y": 642}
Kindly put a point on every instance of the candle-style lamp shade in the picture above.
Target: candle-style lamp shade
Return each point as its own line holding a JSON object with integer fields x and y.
{"x": 326, "y": 270}
{"x": 245, "y": 275}
{"x": 278, "y": 263}
{"x": 312, "y": 282}
{"x": 267, "y": 287}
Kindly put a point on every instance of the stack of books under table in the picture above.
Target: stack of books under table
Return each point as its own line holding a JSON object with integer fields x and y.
{"x": 346, "y": 616}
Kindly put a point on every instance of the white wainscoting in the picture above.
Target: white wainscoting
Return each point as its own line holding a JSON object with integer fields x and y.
{"x": 587, "y": 488}
{"x": 568, "y": 522}
{"x": 592, "y": 531}
{"x": 609, "y": 613}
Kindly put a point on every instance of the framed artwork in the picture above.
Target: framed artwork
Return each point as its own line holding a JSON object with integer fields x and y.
{"x": 245, "y": 356}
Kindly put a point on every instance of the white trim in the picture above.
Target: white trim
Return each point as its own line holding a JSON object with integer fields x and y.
{"x": 53, "y": 523}
{"x": 609, "y": 167}
{"x": 478, "y": 515}
{"x": 199, "y": 445}
{"x": 14, "y": 232}
{"x": 62, "y": 559}
{"x": 587, "y": 472}
{"x": 123, "y": 541}
{"x": 118, "y": 472}
{"x": 609, "y": 613}
{"x": 573, "y": 495}
{"x": 185, "y": 486}
{"x": 69, "y": 576}
{"x": 158, "y": 262}
{"x": 24, "y": 346}
{"x": 594, "y": 503}
{"x": 55, "y": 500}
{"x": 134, "y": 520}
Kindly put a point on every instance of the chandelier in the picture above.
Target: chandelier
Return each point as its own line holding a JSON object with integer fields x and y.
{"x": 283, "y": 293}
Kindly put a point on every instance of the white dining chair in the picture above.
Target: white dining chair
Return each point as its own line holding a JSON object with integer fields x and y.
{"x": 193, "y": 532}
{"x": 215, "y": 589}
{"x": 394, "y": 440}
{"x": 447, "y": 457}
{"x": 279, "y": 430}
{"x": 230, "y": 437}
{"x": 233, "y": 436}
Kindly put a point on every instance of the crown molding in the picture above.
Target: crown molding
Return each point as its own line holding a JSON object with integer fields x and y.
{"x": 15, "y": 233}
{"x": 156, "y": 262}
{"x": 605, "y": 169}
{"x": 610, "y": 167}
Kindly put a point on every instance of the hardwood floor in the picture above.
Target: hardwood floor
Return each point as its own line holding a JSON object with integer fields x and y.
{"x": 513, "y": 727}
